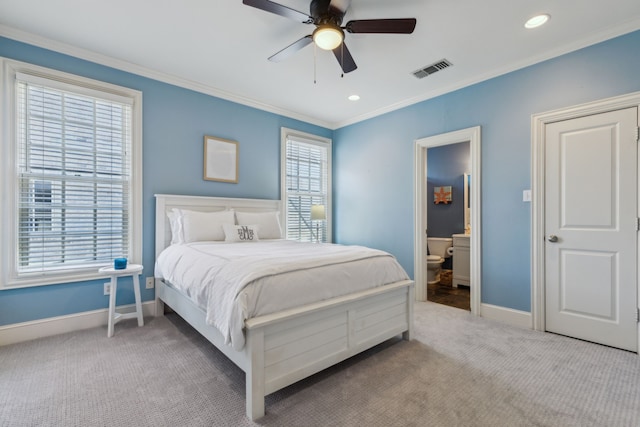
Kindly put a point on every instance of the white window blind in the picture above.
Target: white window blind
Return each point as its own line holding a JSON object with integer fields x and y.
{"x": 73, "y": 176}
{"x": 307, "y": 178}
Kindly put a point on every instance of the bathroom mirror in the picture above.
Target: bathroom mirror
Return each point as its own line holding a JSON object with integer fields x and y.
{"x": 467, "y": 202}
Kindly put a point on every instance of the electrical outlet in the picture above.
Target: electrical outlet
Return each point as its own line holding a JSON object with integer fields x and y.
{"x": 150, "y": 282}
{"x": 107, "y": 288}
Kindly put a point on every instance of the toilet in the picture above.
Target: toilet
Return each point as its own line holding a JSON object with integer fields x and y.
{"x": 438, "y": 251}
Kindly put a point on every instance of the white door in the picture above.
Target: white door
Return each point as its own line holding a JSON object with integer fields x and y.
{"x": 591, "y": 211}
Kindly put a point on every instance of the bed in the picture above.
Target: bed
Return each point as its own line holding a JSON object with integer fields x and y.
{"x": 280, "y": 348}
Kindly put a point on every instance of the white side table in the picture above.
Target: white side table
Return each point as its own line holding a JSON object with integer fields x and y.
{"x": 134, "y": 271}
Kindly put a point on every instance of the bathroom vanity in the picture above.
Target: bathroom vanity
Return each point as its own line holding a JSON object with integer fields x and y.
{"x": 461, "y": 260}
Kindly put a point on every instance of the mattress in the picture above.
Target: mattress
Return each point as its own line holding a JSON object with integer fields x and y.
{"x": 233, "y": 282}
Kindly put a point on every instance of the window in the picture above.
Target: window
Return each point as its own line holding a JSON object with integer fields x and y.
{"x": 306, "y": 182}
{"x": 74, "y": 190}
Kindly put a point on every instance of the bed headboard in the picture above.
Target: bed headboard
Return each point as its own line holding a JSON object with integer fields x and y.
{"x": 166, "y": 202}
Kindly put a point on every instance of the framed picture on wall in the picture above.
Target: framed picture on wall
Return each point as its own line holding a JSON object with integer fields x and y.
{"x": 220, "y": 159}
{"x": 442, "y": 195}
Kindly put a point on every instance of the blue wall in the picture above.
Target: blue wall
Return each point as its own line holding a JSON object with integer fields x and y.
{"x": 445, "y": 167}
{"x": 373, "y": 167}
{"x": 373, "y": 161}
{"x": 175, "y": 121}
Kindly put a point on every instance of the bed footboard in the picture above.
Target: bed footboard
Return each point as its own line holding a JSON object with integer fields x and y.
{"x": 285, "y": 347}
{"x": 289, "y": 346}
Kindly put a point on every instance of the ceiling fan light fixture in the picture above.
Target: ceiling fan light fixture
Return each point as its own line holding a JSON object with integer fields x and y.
{"x": 328, "y": 37}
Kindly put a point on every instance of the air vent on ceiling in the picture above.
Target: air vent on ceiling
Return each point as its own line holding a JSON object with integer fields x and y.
{"x": 433, "y": 68}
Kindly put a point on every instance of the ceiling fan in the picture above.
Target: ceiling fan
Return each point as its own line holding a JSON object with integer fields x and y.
{"x": 327, "y": 16}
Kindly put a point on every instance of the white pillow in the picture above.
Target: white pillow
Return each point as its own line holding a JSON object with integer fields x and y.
{"x": 175, "y": 222}
{"x": 240, "y": 233}
{"x": 205, "y": 226}
{"x": 268, "y": 223}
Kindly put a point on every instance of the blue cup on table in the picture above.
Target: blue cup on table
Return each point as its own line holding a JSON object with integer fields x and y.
{"x": 120, "y": 263}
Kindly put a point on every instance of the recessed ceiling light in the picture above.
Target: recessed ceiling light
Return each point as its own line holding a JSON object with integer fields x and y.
{"x": 537, "y": 20}
{"x": 354, "y": 97}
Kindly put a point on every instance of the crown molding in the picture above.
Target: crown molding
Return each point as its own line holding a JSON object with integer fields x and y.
{"x": 43, "y": 42}
{"x": 595, "y": 38}
{"x": 87, "y": 55}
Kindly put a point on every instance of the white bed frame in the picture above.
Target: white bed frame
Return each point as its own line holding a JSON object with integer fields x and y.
{"x": 287, "y": 346}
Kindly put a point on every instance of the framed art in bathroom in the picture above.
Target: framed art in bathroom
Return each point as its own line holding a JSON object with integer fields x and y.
{"x": 220, "y": 159}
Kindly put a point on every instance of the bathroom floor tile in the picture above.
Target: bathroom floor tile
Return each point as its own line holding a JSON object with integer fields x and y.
{"x": 444, "y": 293}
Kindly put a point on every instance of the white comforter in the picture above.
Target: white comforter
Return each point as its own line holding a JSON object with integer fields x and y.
{"x": 237, "y": 281}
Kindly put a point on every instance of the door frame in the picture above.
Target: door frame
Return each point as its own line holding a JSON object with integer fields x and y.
{"x": 539, "y": 123}
{"x": 473, "y": 136}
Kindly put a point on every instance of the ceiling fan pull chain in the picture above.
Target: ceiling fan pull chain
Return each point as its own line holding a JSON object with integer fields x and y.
{"x": 314, "y": 63}
{"x": 342, "y": 61}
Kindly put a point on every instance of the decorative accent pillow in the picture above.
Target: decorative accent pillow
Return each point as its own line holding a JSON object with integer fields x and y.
{"x": 268, "y": 223}
{"x": 205, "y": 226}
{"x": 240, "y": 233}
{"x": 175, "y": 222}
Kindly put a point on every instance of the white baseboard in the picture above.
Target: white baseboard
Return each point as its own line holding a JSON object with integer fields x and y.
{"x": 521, "y": 319}
{"x": 26, "y": 331}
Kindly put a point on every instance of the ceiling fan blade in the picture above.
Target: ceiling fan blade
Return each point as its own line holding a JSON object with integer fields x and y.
{"x": 279, "y": 9}
{"x": 291, "y": 49}
{"x": 344, "y": 58}
{"x": 339, "y": 5}
{"x": 387, "y": 26}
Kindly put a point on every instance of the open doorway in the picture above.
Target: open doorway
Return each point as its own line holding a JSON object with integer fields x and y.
{"x": 449, "y": 230}
{"x": 472, "y": 137}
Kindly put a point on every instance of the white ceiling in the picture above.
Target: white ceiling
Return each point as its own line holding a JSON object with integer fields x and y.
{"x": 221, "y": 47}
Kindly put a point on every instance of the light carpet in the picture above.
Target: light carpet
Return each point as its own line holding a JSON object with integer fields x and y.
{"x": 460, "y": 370}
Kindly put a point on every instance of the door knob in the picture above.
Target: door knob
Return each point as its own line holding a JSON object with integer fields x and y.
{"x": 553, "y": 238}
